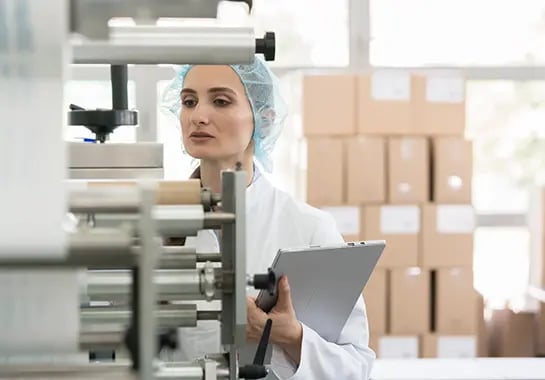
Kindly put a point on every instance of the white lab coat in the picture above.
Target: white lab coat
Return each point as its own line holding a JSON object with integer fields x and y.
{"x": 276, "y": 220}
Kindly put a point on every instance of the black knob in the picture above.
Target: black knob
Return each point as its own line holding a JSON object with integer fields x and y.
{"x": 252, "y": 371}
{"x": 257, "y": 370}
{"x": 266, "y": 46}
{"x": 168, "y": 339}
{"x": 266, "y": 281}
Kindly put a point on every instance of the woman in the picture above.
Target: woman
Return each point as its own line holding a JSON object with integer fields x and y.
{"x": 231, "y": 114}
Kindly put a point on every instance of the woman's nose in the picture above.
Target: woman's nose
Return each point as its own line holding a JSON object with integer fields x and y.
{"x": 199, "y": 116}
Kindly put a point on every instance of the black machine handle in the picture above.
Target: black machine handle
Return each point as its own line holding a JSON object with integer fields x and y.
{"x": 257, "y": 369}
{"x": 266, "y": 281}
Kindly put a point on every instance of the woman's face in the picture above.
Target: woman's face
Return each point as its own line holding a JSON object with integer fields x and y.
{"x": 216, "y": 116}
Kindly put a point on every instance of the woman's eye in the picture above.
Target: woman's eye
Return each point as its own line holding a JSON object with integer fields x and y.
{"x": 221, "y": 102}
{"x": 189, "y": 103}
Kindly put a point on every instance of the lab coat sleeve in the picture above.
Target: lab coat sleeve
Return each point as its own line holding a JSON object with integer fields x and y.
{"x": 350, "y": 356}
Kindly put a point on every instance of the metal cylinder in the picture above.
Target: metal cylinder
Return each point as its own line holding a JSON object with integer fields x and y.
{"x": 217, "y": 219}
{"x": 105, "y": 201}
{"x": 167, "y": 316}
{"x": 185, "y": 44}
{"x": 184, "y": 220}
{"x": 186, "y": 372}
{"x": 95, "y": 340}
{"x": 208, "y": 315}
{"x": 171, "y": 285}
{"x": 174, "y": 261}
{"x": 208, "y": 256}
{"x": 119, "y": 79}
{"x": 171, "y": 220}
{"x": 194, "y": 371}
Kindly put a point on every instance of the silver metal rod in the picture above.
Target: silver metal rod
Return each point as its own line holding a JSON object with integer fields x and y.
{"x": 96, "y": 247}
{"x": 208, "y": 44}
{"x": 171, "y": 285}
{"x": 113, "y": 250}
{"x": 105, "y": 201}
{"x": 173, "y": 261}
{"x": 183, "y": 370}
{"x": 189, "y": 372}
{"x": 179, "y": 250}
{"x": 208, "y": 315}
{"x": 170, "y": 316}
{"x": 94, "y": 340}
{"x": 209, "y": 256}
{"x": 171, "y": 220}
{"x": 217, "y": 219}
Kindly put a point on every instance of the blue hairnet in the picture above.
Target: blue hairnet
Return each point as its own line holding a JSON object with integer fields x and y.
{"x": 263, "y": 92}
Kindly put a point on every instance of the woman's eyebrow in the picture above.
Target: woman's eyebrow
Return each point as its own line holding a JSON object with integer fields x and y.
{"x": 188, "y": 91}
{"x": 221, "y": 89}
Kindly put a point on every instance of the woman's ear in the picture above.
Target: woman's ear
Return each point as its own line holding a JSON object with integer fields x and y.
{"x": 268, "y": 114}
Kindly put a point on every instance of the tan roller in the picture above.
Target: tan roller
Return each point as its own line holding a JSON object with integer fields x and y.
{"x": 168, "y": 192}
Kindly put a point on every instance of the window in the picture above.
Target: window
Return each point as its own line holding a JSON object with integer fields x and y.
{"x": 501, "y": 263}
{"x": 505, "y": 120}
{"x": 457, "y": 32}
{"x": 301, "y": 39}
{"x": 93, "y": 95}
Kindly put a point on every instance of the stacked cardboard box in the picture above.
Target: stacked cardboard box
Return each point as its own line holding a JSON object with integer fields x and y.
{"x": 537, "y": 261}
{"x": 388, "y": 159}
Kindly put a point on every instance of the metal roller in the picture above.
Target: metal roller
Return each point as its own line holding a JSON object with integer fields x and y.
{"x": 173, "y": 220}
{"x": 184, "y": 44}
{"x": 104, "y": 201}
{"x": 167, "y": 316}
{"x": 171, "y": 285}
{"x": 167, "y": 192}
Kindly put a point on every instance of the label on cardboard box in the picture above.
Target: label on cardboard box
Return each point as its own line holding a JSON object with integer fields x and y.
{"x": 398, "y": 347}
{"x": 399, "y": 220}
{"x": 391, "y": 85}
{"x": 445, "y": 89}
{"x": 456, "y": 347}
{"x": 347, "y": 219}
{"x": 455, "y": 219}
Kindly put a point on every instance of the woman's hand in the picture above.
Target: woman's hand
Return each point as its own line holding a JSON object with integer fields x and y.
{"x": 286, "y": 332}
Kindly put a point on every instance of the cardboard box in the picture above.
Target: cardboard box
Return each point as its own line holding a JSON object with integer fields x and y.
{"x": 447, "y": 235}
{"x": 452, "y": 170}
{"x": 408, "y": 170}
{"x": 366, "y": 170}
{"x": 439, "y": 104}
{"x": 384, "y": 103}
{"x": 329, "y": 103}
{"x": 325, "y": 174}
{"x": 541, "y": 330}
{"x": 449, "y": 346}
{"x": 513, "y": 334}
{"x": 398, "y": 347}
{"x": 400, "y": 227}
{"x": 375, "y": 295}
{"x": 409, "y": 301}
{"x": 373, "y": 342}
{"x": 456, "y": 302}
{"x": 483, "y": 333}
{"x": 347, "y": 219}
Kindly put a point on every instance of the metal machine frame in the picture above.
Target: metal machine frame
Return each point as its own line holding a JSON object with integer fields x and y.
{"x": 118, "y": 234}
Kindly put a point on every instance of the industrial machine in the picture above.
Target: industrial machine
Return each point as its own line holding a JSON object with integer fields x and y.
{"x": 120, "y": 247}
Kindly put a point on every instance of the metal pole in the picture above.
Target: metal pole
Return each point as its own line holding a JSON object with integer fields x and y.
{"x": 147, "y": 342}
{"x": 171, "y": 285}
{"x": 119, "y": 79}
